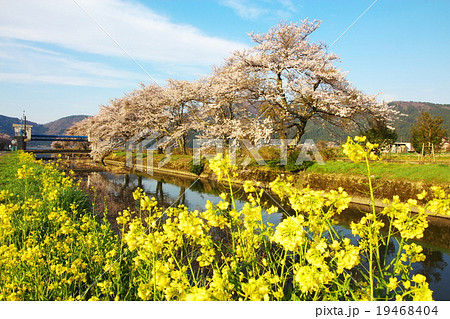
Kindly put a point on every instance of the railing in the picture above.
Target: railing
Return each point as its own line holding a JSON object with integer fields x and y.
{"x": 63, "y": 138}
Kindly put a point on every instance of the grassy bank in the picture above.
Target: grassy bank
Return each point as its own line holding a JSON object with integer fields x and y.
{"x": 414, "y": 172}
{"x": 430, "y": 173}
{"x": 52, "y": 246}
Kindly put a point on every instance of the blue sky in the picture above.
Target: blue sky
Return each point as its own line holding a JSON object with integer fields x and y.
{"x": 66, "y": 57}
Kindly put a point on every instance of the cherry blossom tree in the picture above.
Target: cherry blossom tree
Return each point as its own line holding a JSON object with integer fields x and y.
{"x": 5, "y": 140}
{"x": 78, "y": 128}
{"x": 117, "y": 122}
{"x": 150, "y": 110}
{"x": 184, "y": 100}
{"x": 280, "y": 84}
{"x": 230, "y": 107}
{"x": 297, "y": 81}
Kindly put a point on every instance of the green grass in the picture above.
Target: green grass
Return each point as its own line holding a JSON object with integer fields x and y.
{"x": 433, "y": 173}
{"x": 6, "y": 171}
{"x": 440, "y": 157}
{"x": 425, "y": 171}
{"x": 9, "y": 164}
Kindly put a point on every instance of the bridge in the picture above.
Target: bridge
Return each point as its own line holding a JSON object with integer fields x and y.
{"x": 23, "y": 134}
{"x": 57, "y": 151}
{"x": 63, "y": 138}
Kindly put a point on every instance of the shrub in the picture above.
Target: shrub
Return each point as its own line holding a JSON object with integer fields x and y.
{"x": 199, "y": 168}
{"x": 292, "y": 166}
{"x": 329, "y": 154}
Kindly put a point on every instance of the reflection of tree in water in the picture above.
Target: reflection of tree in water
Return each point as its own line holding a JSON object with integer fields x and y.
{"x": 437, "y": 232}
{"x": 115, "y": 193}
{"x": 164, "y": 199}
{"x": 110, "y": 193}
{"x": 198, "y": 187}
{"x": 433, "y": 266}
{"x": 181, "y": 199}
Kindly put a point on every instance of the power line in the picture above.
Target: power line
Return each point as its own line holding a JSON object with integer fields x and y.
{"x": 354, "y": 22}
{"x": 117, "y": 43}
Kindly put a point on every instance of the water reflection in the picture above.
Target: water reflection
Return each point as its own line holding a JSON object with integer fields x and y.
{"x": 433, "y": 265}
{"x": 436, "y": 235}
{"x": 436, "y": 248}
{"x": 170, "y": 191}
{"x": 115, "y": 192}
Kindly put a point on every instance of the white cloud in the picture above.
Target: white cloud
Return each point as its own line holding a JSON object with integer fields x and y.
{"x": 250, "y": 9}
{"x": 29, "y": 78}
{"x": 244, "y": 9}
{"x": 28, "y": 64}
{"x": 288, "y": 5}
{"x": 146, "y": 35}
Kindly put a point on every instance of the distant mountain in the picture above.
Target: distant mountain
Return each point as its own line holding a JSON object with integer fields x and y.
{"x": 6, "y": 125}
{"x": 412, "y": 111}
{"x": 409, "y": 111}
{"x": 59, "y": 127}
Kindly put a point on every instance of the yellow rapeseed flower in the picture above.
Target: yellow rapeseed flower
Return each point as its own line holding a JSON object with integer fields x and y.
{"x": 290, "y": 233}
{"x": 197, "y": 294}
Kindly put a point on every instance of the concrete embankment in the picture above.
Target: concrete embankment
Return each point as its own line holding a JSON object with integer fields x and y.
{"x": 356, "y": 186}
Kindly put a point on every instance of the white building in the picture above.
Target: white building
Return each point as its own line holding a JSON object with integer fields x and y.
{"x": 401, "y": 147}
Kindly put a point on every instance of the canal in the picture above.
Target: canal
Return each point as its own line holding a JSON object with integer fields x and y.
{"x": 115, "y": 190}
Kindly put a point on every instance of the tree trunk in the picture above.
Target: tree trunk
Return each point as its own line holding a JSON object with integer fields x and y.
{"x": 159, "y": 192}
{"x": 102, "y": 160}
{"x": 139, "y": 177}
{"x": 281, "y": 130}
{"x": 300, "y": 130}
{"x": 182, "y": 144}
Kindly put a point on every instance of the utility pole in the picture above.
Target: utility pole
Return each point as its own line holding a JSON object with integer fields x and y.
{"x": 21, "y": 133}
{"x": 24, "y": 131}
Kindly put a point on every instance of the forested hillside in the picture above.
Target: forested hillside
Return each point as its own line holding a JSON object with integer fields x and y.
{"x": 409, "y": 111}
{"x": 6, "y": 125}
{"x": 412, "y": 110}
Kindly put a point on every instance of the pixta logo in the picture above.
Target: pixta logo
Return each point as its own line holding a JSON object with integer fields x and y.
{"x": 308, "y": 151}
{"x": 145, "y": 145}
